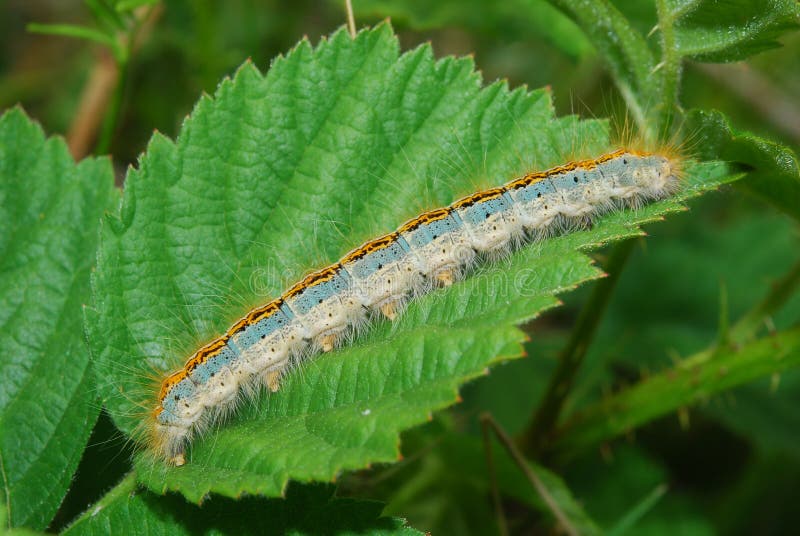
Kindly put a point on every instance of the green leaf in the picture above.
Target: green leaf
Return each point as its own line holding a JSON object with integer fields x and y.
{"x": 129, "y": 5}
{"x": 519, "y": 19}
{"x": 7, "y": 530}
{"x": 774, "y": 171}
{"x": 691, "y": 381}
{"x": 50, "y": 212}
{"x": 713, "y": 31}
{"x": 306, "y": 510}
{"x": 281, "y": 173}
{"x": 106, "y": 14}
{"x": 71, "y": 30}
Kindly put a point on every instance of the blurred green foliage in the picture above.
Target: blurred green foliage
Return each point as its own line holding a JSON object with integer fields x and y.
{"x": 729, "y": 465}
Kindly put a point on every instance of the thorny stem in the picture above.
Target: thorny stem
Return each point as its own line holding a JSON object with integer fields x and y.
{"x": 540, "y": 430}
{"x": 521, "y": 462}
{"x": 689, "y": 382}
{"x": 596, "y": 417}
{"x": 745, "y": 328}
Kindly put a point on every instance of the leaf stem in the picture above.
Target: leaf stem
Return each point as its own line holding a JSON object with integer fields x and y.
{"x": 624, "y": 50}
{"x": 502, "y": 526}
{"x": 522, "y": 463}
{"x": 539, "y": 431}
{"x": 745, "y": 328}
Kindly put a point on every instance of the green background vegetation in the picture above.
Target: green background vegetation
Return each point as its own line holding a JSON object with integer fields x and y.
{"x": 660, "y": 399}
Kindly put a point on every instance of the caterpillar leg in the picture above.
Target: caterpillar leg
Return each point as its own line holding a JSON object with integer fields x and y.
{"x": 445, "y": 277}
{"x": 274, "y": 380}
{"x": 328, "y": 342}
{"x": 389, "y": 309}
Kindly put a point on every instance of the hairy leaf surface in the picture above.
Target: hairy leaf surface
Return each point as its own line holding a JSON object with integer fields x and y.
{"x": 50, "y": 213}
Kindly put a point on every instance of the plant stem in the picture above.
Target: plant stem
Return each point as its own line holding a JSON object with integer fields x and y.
{"x": 95, "y": 98}
{"x": 670, "y": 68}
{"x": 502, "y": 526}
{"x": 351, "y": 19}
{"x": 538, "y": 485}
{"x": 112, "y": 113}
{"x": 539, "y": 431}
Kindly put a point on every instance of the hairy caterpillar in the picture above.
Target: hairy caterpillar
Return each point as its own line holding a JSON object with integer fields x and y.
{"x": 436, "y": 248}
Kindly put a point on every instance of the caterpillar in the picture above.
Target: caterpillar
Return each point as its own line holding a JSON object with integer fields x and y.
{"x": 378, "y": 278}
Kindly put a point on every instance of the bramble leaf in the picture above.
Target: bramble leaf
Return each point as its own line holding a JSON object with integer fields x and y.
{"x": 282, "y": 173}
{"x": 774, "y": 171}
{"x": 50, "y": 213}
{"x": 707, "y": 30}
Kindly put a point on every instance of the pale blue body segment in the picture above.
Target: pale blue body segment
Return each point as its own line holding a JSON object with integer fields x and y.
{"x": 384, "y": 273}
{"x": 490, "y": 221}
{"x": 374, "y": 261}
{"x": 261, "y": 329}
{"x": 619, "y": 173}
{"x": 427, "y": 232}
{"x": 532, "y": 192}
{"x": 178, "y": 405}
{"x": 576, "y": 192}
{"x": 325, "y": 305}
{"x": 440, "y": 244}
{"x": 478, "y": 212}
{"x": 212, "y": 366}
{"x": 311, "y": 296}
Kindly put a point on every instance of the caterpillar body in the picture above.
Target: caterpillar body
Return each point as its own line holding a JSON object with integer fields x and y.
{"x": 436, "y": 248}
